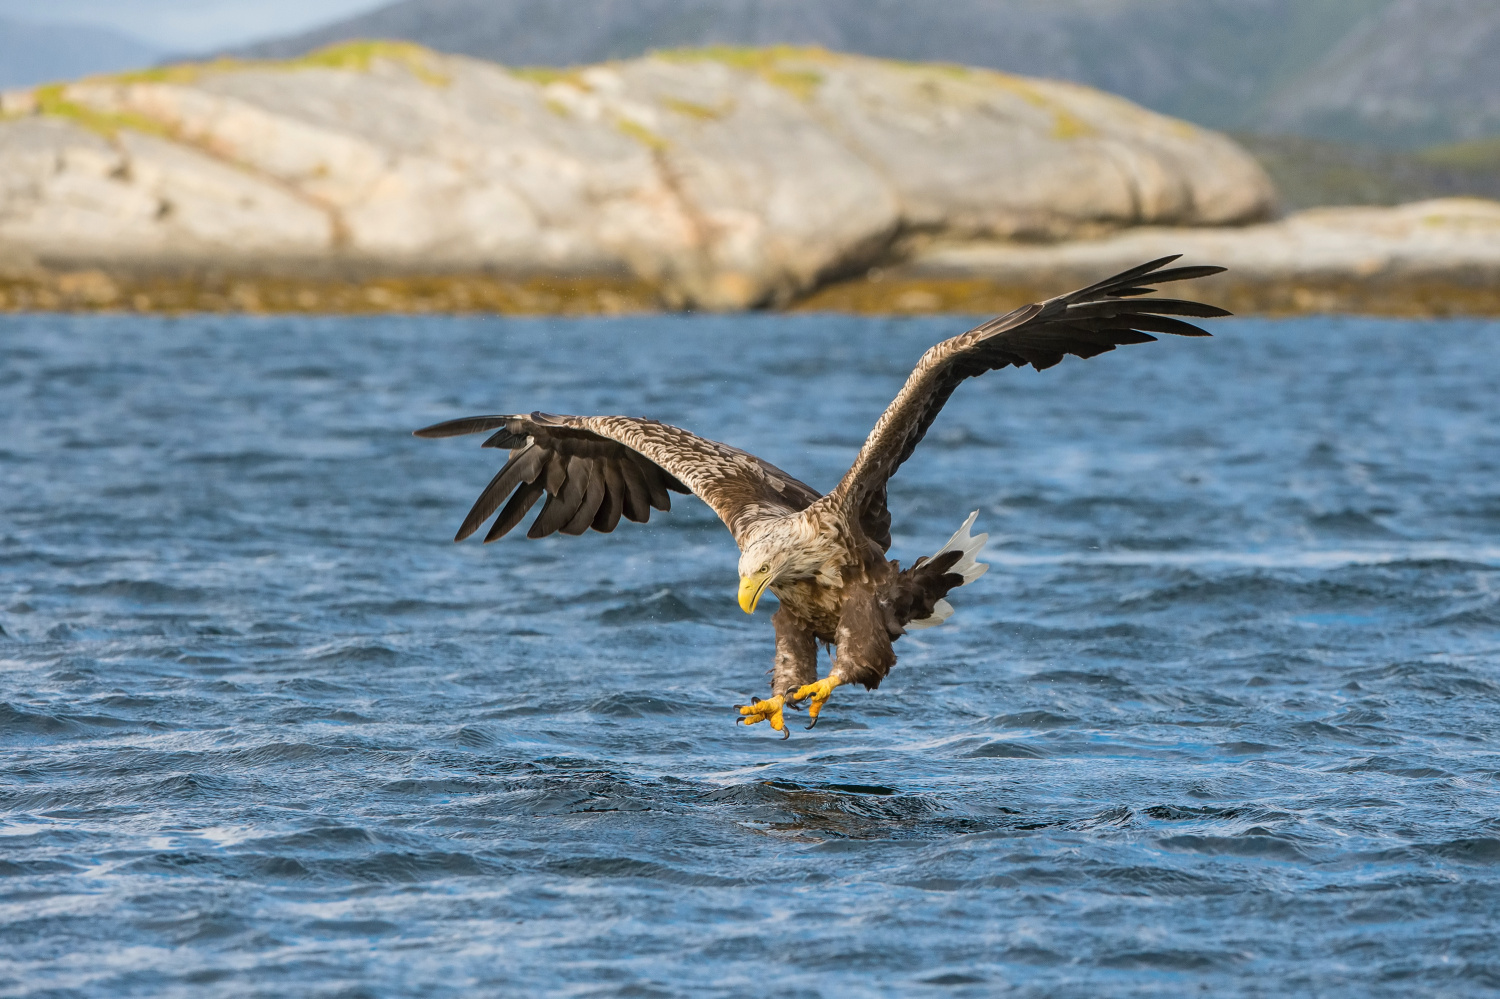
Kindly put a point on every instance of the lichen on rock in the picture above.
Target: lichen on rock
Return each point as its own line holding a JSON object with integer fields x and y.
{"x": 721, "y": 178}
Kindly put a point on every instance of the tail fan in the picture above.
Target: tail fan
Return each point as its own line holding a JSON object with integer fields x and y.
{"x": 968, "y": 566}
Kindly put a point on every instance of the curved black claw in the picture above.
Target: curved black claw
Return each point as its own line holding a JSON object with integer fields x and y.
{"x": 786, "y": 733}
{"x": 812, "y": 724}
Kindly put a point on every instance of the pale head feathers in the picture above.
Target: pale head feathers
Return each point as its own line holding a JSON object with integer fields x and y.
{"x": 792, "y": 548}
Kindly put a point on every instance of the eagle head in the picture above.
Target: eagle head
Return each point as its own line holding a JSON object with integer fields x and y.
{"x": 785, "y": 551}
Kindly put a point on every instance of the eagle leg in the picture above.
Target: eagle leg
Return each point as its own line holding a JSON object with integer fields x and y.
{"x": 796, "y": 664}
{"x": 864, "y": 656}
{"x": 819, "y": 692}
{"x": 759, "y": 711}
{"x": 796, "y": 654}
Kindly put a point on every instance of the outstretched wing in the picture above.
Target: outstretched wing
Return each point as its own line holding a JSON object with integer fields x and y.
{"x": 594, "y": 469}
{"x": 1087, "y": 322}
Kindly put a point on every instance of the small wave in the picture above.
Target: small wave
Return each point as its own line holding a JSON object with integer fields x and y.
{"x": 1262, "y": 846}
{"x": 662, "y": 607}
{"x": 437, "y": 785}
{"x": 1247, "y": 748}
{"x": 1034, "y": 720}
{"x": 1317, "y": 731}
{"x": 470, "y": 737}
{"x": 192, "y": 786}
{"x": 308, "y": 686}
{"x": 1162, "y": 960}
{"x": 141, "y": 591}
{"x": 1004, "y": 751}
{"x": 359, "y": 654}
{"x": 300, "y": 372}
{"x": 283, "y": 752}
{"x": 634, "y": 705}
{"x": 951, "y": 979}
{"x": 842, "y": 811}
{"x": 1191, "y": 813}
{"x": 407, "y": 868}
{"x": 351, "y": 927}
{"x": 1350, "y": 524}
{"x": 1487, "y": 617}
{"x": 1477, "y": 850}
{"x": 1392, "y": 766}
{"x": 397, "y": 608}
{"x": 31, "y": 868}
{"x": 16, "y": 720}
{"x": 1078, "y": 678}
{"x": 1444, "y": 678}
{"x": 1030, "y": 631}
{"x": 627, "y": 867}
{"x": 315, "y": 840}
{"x": 237, "y": 459}
{"x": 1164, "y": 881}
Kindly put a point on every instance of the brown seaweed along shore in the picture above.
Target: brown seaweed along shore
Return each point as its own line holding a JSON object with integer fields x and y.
{"x": 383, "y": 177}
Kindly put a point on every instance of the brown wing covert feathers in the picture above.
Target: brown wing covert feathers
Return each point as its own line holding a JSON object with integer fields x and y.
{"x": 594, "y": 470}
{"x": 1084, "y": 323}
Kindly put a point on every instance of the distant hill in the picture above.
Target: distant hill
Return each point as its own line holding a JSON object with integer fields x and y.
{"x": 1420, "y": 72}
{"x": 38, "y": 53}
{"x": 1397, "y": 72}
{"x": 1311, "y": 172}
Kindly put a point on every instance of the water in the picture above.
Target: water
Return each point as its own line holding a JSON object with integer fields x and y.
{"x": 1223, "y": 719}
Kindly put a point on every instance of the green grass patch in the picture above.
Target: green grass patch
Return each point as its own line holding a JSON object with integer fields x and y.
{"x": 547, "y": 75}
{"x": 802, "y": 81}
{"x": 1481, "y": 154}
{"x": 1065, "y": 124}
{"x": 358, "y": 57}
{"x": 640, "y": 133}
{"x": 702, "y": 112}
{"x": 52, "y": 100}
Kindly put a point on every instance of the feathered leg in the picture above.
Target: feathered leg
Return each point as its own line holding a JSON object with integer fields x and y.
{"x": 796, "y": 654}
{"x": 864, "y": 653}
{"x": 796, "y": 665}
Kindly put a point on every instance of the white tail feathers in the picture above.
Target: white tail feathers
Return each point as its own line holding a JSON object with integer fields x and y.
{"x": 941, "y": 611}
{"x": 967, "y": 566}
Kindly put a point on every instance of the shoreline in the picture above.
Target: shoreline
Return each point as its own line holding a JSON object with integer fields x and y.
{"x": 899, "y": 291}
{"x": 1425, "y": 259}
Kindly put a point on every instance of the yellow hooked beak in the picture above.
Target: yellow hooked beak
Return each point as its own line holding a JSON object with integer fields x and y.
{"x": 751, "y": 587}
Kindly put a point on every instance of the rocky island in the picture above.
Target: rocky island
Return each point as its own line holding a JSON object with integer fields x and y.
{"x": 384, "y": 176}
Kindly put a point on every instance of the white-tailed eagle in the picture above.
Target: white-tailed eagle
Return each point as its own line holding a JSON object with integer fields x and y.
{"x": 824, "y": 556}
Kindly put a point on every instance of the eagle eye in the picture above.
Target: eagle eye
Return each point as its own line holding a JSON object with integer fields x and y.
{"x": 764, "y": 568}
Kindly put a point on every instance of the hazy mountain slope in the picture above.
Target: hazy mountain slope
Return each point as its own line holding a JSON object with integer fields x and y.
{"x": 1423, "y": 71}
{"x": 36, "y": 53}
{"x": 1310, "y": 172}
{"x": 1211, "y": 61}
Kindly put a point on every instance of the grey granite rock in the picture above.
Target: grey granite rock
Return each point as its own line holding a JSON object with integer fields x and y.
{"x": 726, "y": 178}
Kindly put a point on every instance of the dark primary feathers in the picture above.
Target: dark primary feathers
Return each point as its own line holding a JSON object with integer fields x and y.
{"x": 1084, "y": 323}
{"x": 595, "y": 469}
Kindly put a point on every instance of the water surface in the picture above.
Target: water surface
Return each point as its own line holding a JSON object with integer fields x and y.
{"x": 1223, "y": 717}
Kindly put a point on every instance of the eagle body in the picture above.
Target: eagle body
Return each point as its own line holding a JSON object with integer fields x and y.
{"x": 824, "y": 556}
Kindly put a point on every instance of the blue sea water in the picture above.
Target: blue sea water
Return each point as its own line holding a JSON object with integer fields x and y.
{"x": 1223, "y": 719}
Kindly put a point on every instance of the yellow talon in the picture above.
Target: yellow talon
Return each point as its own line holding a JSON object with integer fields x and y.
{"x": 819, "y": 692}
{"x": 760, "y": 711}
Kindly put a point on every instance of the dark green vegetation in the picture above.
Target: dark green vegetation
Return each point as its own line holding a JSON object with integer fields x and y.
{"x": 1310, "y": 172}
{"x": 1384, "y": 72}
